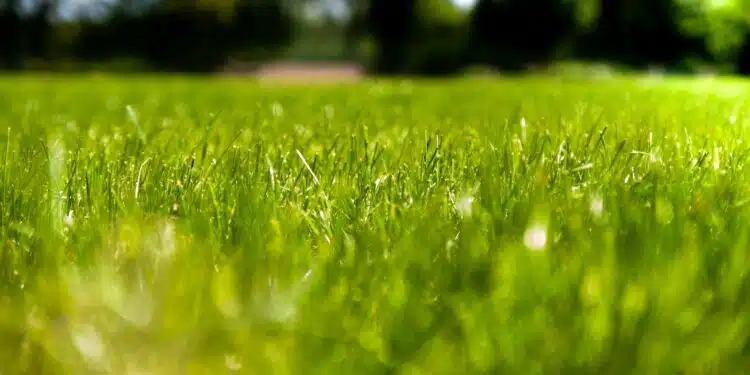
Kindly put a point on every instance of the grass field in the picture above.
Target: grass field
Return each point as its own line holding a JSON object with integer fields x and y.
{"x": 517, "y": 226}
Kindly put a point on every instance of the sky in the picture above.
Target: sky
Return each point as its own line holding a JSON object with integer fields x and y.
{"x": 465, "y": 3}
{"x": 69, "y": 7}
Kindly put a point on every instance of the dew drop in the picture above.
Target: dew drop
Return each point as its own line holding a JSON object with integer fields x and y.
{"x": 535, "y": 237}
{"x": 88, "y": 343}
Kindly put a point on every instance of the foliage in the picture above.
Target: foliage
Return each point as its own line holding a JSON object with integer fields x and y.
{"x": 168, "y": 35}
{"x": 11, "y": 46}
{"x": 392, "y": 24}
{"x": 642, "y": 32}
{"x": 513, "y": 33}
{"x": 440, "y": 45}
{"x": 409, "y": 37}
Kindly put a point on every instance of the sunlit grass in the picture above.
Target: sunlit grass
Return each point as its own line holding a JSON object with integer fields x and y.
{"x": 538, "y": 225}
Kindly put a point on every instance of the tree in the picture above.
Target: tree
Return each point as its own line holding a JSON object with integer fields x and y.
{"x": 189, "y": 35}
{"x": 726, "y": 29}
{"x": 11, "y": 48}
{"x": 39, "y": 28}
{"x": 409, "y": 37}
{"x": 641, "y": 32}
{"x": 356, "y": 27}
{"x": 743, "y": 57}
{"x": 392, "y": 25}
{"x": 260, "y": 28}
{"x": 440, "y": 40}
{"x": 510, "y": 34}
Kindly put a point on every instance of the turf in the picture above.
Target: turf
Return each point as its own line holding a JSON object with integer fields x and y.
{"x": 519, "y": 226}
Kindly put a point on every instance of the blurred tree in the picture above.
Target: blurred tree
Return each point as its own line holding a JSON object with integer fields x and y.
{"x": 183, "y": 39}
{"x": 440, "y": 39}
{"x": 726, "y": 27}
{"x": 261, "y": 28}
{"x": 132, "y": 7}
{"x": 392, "y": 25}
{"x": 742, "y": 61}
{"x": 40, "y": 32}
{"x": 407, "y": 36}
{"x": 11, "y": 48}
{"x": 511, "y": 34}
{"x": 586, "y": 12}
{"x": 641, "y": 32}
{"x": 189, "y": 35}
{"x": 743, "y": 57}
{"x": 356, "y": 28}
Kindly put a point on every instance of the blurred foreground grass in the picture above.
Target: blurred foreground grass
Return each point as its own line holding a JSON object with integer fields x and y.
{"x": 523, "y": 226}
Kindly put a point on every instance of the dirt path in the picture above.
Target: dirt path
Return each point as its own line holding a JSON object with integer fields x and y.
{"x": 306, "y": 72}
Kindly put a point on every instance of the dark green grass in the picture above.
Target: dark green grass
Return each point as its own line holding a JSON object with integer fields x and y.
{"x": 526, "y": 226}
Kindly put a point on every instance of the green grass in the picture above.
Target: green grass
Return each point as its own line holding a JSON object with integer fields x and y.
{"x": 519, "y": 226}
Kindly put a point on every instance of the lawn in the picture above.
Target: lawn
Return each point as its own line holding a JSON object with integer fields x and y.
{"x": 505, "y": 226}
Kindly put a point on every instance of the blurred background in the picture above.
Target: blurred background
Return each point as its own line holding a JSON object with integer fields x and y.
{"x": 414, "y": 37}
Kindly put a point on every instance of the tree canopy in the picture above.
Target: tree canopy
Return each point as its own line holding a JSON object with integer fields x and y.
{"x": 407, "y": 36}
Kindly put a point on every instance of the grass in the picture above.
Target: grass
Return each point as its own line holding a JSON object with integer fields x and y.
{"x": 518, "y": 226}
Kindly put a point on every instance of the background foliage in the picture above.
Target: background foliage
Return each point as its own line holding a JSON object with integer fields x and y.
{"x": 404, "y": 36}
